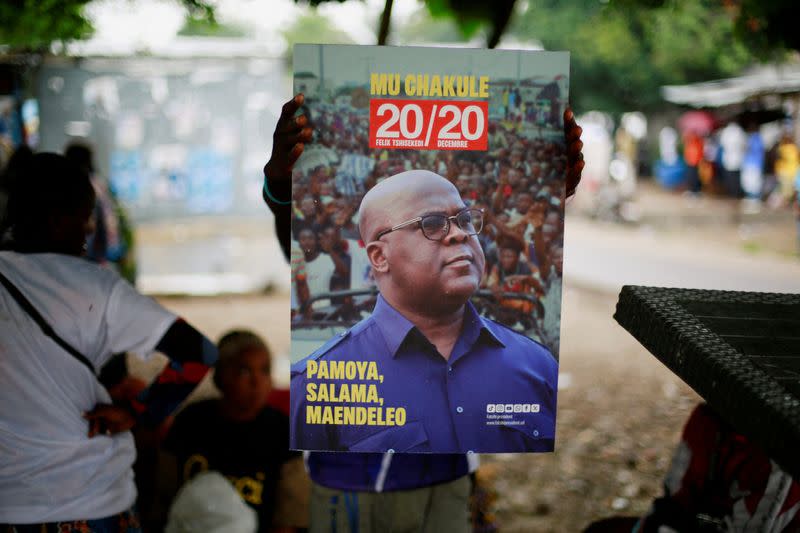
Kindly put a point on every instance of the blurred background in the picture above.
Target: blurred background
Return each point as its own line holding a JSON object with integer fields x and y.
{"x": 690, "y": 117}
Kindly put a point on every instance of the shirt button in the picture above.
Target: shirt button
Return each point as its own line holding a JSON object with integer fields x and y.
{"x": 459, "y": 409}
{"x": 449, "y": 368}
{"x": 535, "y": 432}
{"x": 390, "y": 450}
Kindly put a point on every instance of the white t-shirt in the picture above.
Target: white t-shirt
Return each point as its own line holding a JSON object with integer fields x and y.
{"x": 298, "y": 263}
{"x": 318, "y": 275}
{"x": 360, "y": 267}
{"x": 733, "y": 141}
{"x": 50, "y": 469}
{"x": 668, "y": 145}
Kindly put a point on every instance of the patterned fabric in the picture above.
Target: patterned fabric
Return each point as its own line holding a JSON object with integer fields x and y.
{"x": 125, "y": 522}
{"x": 170, "y": 389}
{"x": 720, "y": 481}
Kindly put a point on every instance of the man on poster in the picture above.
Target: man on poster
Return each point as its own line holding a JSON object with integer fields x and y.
{"x": 425, "y": 372}
{"x": 411, "y": 491}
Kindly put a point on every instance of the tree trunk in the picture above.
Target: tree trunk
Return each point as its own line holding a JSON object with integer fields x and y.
{"x": 501, "y": 16}
{"x": 383, "y": 32}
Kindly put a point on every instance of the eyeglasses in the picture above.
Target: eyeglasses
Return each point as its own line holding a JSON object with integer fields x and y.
{"x": 436, "y": 227}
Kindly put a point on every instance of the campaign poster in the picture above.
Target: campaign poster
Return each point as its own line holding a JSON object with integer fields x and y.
{"x": 427, "y": 236}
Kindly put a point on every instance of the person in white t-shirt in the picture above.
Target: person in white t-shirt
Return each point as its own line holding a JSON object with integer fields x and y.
{"x": 65, "y": 450}
{"x": 319, "y": 267}
{"x": 733, "y": 142}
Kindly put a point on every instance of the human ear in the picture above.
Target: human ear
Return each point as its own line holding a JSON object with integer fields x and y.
{"x": 376, "y": 252}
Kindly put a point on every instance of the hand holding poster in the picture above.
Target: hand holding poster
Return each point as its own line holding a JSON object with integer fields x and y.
{"x": 432, "y": 250}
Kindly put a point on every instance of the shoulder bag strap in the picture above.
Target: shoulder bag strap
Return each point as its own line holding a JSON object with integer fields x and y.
{"x": 46, "y": 329}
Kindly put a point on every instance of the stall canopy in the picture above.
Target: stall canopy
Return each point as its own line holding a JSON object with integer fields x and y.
{"x": 761, "y": 81}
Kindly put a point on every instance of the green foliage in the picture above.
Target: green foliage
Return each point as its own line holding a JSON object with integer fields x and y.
{"x": 623, "y": 52}
{"x": 467, "y": 21}
{"x": 472, "y": 15}
{"x": 200, "y": 9}
{"x": 421, "y": 27}
{"x": 314, "y": 28}
{"x": 203, "y": 27}
{"x": 32, "y": 25}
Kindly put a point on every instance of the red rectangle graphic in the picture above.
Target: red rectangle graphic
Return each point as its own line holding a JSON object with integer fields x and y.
{"x": 428, "y": 124}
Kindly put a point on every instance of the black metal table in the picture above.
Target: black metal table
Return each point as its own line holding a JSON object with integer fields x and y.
{"x": 740, "y": 351}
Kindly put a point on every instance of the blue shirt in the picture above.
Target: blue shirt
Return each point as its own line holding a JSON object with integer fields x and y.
{"x": 496, "y": 393}
{"x": 755, "y": 154}
{"x": 379, "y": 472}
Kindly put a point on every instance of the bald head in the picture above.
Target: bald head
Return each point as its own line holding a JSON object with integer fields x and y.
{"x": 394, "y": 196}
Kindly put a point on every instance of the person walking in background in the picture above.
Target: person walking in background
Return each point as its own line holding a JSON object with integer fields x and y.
{"x": 753, "y": 170}
{"x": 693, "y": 156}
{"x": 670, "y": 168}
{"x": 787, "y": 166}
{"x": 733, "y": 142}
{"x": 796, "y": 207}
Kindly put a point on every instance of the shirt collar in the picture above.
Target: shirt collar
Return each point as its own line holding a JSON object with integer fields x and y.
{"x": 395, "y": 328}
{"x": 477, "y": 328}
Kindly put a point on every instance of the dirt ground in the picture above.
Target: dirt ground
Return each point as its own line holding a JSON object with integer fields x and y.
{"x": 619, "y": 415}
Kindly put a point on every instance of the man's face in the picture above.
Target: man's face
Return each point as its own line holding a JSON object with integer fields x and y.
{"x": 308, "y": 207}
{"x": 342, "y": 217}
{"x": 552, "y": 224}
{"x": 307, "y": 241}
{"x": 427, "y": 272}
{"x": 329, "y": 238}
{"x": 509, "y": 259}
{"x": 524, "y": 201}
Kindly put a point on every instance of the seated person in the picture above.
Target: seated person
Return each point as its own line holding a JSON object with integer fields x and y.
{"x": 719, "y": 480}
{"x": 237, "y": 435}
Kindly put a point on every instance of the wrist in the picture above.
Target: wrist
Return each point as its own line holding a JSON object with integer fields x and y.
{"x": 276, "y": 175}
{"x": 132, "y": 407}
{"x": 277, "y": 189}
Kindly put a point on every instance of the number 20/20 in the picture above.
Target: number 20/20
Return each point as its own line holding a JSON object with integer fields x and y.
{"x": 457, "y": 116}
